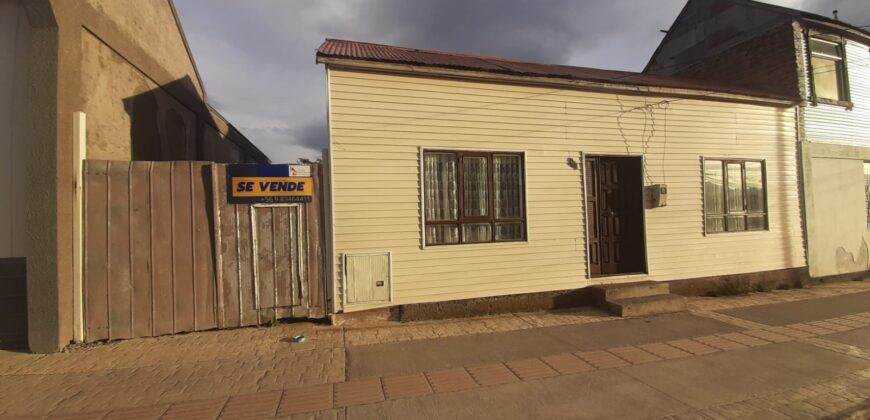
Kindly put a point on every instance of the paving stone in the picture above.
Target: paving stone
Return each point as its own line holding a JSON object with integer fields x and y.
{"x": 768, "y": 336}
{"x": 791, "y": 332}
{"x": 195, "y": 410}
{"x": 75, "y": 416}
{"x": 719, "y": 343}
{"x": 305, "y": 399}
{"x": 852, "y": 324}
{"x": 693, "y": 347}
{"x": 529, "y": 369}
{"x": 252, "y": 406}
{"x": 137, "y": 413}
{"x": 363, "y": 391}
{"x": 450, "y": 380}
{"x": 567, "y": 363}
{"x": 492, "y": 374}
{"x": 833, "y": 326}
{"x": 602, "y": 359}
{"x": 744, "y": 339}
{"x": 406, "y": 386}
{"x": 665, "y": 351}
{"x": 811, "y": 329}
{"x": 634, "y": 355}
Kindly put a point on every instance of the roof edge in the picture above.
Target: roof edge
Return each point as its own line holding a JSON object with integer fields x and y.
{"x": 626, "y": 88}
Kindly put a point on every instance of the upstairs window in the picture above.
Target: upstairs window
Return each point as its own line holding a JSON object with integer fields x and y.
{"x": 829, "y": 71}
{"x": 473, "y": 197}
{"x": 734, "y": 195}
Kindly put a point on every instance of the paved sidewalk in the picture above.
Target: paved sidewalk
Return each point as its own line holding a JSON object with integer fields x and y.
{"x": 566, "y": 364}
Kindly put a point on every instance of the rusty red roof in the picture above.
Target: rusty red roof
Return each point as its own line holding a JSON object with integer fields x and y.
{"x": 364, "y": 51}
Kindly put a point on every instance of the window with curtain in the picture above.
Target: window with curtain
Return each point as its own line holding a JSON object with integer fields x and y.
{"x": 829, "y": 73}
{"x": 473, "y": 197}
{"x": 734, "y": 196}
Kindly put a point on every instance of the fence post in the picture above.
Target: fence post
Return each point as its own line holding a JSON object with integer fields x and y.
{"x": 79, "y": 156}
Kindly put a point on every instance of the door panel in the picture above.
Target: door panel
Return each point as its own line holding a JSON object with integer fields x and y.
{"x": 278, "y": 274}
{"x": 614, "y": 205}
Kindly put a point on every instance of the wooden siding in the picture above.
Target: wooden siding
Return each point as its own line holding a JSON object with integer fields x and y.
{"x": 379, "y": 122}
{"x": 835, "y": 124}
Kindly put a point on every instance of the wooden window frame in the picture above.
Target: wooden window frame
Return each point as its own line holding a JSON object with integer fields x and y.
{"x": 460, "y": 192}
{"x": 842, "y": 70}
{"x": 727, "y": 212}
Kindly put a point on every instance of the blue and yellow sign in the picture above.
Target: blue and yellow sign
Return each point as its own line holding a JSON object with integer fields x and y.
{"x": 253, "y": 184}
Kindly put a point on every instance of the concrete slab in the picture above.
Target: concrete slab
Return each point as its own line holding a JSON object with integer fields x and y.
{"x": 443, "y": 353}
{"x": 601, "y": 394}
{"x": 732, "y": 376}
{"x": 859, "y": 337}
{"x": 637, "y": 331}
{"x": 804, "y": 311}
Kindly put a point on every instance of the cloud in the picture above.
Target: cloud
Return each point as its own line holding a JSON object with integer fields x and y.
{"x": 258, "y": 64}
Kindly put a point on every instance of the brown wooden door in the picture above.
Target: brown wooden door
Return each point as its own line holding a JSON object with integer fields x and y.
{"x": 614, "y": 215}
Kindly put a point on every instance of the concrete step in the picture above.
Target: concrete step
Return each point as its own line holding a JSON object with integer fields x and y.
{"x": 646, "y": 305}
{"x": 611, "y": 292}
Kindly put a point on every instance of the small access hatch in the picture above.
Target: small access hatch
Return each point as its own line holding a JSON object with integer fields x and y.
{"x": 367, "y": 278}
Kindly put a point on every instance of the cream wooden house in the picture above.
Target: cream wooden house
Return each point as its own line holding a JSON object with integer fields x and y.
{"x": 823, "y": 64}
{"x": 459, "y": 177}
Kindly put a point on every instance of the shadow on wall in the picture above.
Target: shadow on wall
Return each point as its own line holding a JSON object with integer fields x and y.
{"x": 164, "y": 126}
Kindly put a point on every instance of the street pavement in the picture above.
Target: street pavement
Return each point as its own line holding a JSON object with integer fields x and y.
{"x": 801, "y": 353}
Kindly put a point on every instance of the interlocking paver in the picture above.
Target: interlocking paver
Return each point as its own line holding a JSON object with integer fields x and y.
{"x": 602, "y": 359}
{"x": 719, "y": 342}
{"x": 665, "y": 351}
{"x": 811, "y": 329}
{"x": 529, "y": 369}
{"x": 252, "y": 406}
{"x": 406, "y": 386}
{"x": 693, "y": 346}
{"x": 790, "y": 332}
{"x": 567, "y": 363}
{"x": 833, "y": 326}
{"x": 195, "y": 410}
{"x": 305, "y": 399}
{"x": 450, "y": 380}
{"x": 492, "y": 374}
{"x": 744, "y": 339}
{"x": 362, "y": 391}
{"x": 634, "y": 355}
{"x": 768, "y": 336}
{"x": 138, "y": 413}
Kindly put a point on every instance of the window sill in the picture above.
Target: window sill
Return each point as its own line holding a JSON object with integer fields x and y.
{"x": 844, "y": 104}
{"x": 739, "y": 233}
{"x": 466, "y": 246}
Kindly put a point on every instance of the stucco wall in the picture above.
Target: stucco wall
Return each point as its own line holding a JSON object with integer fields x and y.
{"x": 129, "y": 116}
{"x": 837, "y": 231}
{"x": 14, "y": 43}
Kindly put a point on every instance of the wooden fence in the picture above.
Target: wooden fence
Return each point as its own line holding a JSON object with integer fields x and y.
{"x": 164, "y": 253}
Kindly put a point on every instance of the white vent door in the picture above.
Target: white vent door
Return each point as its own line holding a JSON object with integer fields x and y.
{"x": 368, "y": 278}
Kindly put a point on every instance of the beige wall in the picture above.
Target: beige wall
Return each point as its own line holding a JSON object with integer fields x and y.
{"x": 14, "y": 42}
{"x": 379, "y": 122}
{"x": 837, "y": 231}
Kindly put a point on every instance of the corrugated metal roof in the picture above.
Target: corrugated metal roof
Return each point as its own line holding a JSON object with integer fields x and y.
{"x": 364, "y": 51}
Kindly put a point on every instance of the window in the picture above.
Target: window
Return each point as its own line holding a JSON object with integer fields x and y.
{"x": 829, "y": 72}
{"x": 473, "y": 197}
{"x": 734, "y": 195}
{"x": 867, "y": 190}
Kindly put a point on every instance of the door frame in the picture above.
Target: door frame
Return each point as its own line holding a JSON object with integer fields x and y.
{"x": 302, "y": 275}
{"x": 645, "y": 272}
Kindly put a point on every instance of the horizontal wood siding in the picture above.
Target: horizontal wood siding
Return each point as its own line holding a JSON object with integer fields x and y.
{"x": 835, "y": 124}
{"x": 379, "y": 121}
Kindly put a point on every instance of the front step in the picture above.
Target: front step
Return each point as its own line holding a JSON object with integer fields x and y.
{"x": 646, "y": 305}
{"x": 611, "y": 292}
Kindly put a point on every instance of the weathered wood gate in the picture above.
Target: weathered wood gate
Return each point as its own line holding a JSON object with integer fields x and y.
{"x": 164, "y": 253}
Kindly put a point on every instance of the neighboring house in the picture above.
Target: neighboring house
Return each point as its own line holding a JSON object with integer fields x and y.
{"x": 825, "y": 65}
{"x": 457, "y": 177}
{"x": 95, "y": 79}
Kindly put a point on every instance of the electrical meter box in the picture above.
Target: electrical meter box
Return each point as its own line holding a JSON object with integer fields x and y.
{"x": 656, "y": 195}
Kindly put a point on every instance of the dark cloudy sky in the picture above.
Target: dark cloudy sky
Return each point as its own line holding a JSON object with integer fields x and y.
{"x": 257, "y": 56}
